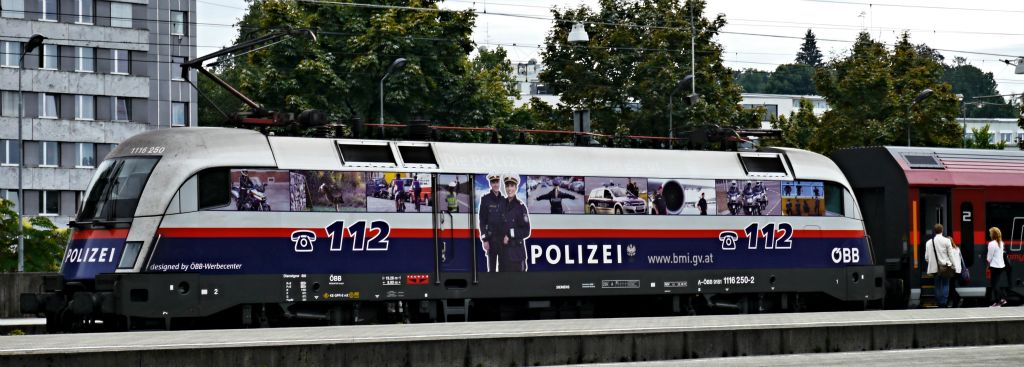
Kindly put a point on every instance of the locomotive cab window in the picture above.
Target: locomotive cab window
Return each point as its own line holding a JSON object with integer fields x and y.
{"x": 834, "y": 197}
{"x": 114, "y": 193}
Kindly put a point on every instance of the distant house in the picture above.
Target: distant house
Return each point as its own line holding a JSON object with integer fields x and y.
{"x": 780, "y": 104}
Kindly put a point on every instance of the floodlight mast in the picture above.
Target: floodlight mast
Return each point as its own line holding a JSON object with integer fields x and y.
{"x": 260, "y": 116}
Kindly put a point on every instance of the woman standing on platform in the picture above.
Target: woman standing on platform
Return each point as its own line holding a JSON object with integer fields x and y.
{"x": 996, "y": 265}
{"x": 957, "y": 258}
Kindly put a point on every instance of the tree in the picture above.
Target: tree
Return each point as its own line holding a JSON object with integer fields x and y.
{"x": 800, "y": 129}
{"x": 795, "y": 79}
{"x": 340, "y": 72}
{"x": 982, "y": 139}
{"x": 624, "y": 75}
{"x": 753, "y": 80}
{"x": 44, "y": 242}
{"x": 870, "y": 93}
{"x": 971, "y": 82}
{"x": 809, "y": 54}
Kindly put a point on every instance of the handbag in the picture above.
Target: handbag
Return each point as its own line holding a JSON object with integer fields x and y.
{"x": 945, "y": 271}
{"x": 965, "y": 273}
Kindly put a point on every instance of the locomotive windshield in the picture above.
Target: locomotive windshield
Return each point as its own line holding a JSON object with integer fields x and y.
{"x": 114, "y": 191}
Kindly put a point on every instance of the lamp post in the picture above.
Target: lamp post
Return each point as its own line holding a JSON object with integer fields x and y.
{"x": 927, "y": 92}
{"x": 396, "y": 66}
{"x": 33, "y": 42}
{"x": 963, "y": 116}
{"x": 687, "y": 82}
{"x": 581, "y": 118}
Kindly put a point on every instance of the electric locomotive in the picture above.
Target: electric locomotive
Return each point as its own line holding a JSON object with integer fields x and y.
{"x": 209, "y": 226}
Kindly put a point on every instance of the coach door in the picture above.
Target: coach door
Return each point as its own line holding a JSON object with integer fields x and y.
{"x": 453, "y": 228}
{"x": 934, "y": 209}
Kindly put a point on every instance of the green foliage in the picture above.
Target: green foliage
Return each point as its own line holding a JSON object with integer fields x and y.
{"x": 752, "y": 80}
{"x": 870, "y": 92}
{"x": 625, "y": 73}
{"x": 982, "y": 138}
{"x": 44, "y": 242}
{"x": 970, "y": 81}
{"x": 795, "y": 79}
{"x": 341, "y": 72}
{"x": 800, "y": 129}
{"x": 809, "y": 54}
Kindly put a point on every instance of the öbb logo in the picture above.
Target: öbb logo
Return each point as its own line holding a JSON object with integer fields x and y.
{"x": 845, "y": 255}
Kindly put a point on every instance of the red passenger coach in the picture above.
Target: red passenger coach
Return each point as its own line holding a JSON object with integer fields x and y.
{"x": 904, "y": 191}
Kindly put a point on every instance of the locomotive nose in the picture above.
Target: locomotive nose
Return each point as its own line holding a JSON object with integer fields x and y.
{"x": 673, "y": 193}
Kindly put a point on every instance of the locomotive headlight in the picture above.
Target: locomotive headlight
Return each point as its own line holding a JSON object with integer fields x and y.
{"x": 131, "y": 252}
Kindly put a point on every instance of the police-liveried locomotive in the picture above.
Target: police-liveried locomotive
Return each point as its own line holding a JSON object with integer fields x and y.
{"x": 207, "y": 226}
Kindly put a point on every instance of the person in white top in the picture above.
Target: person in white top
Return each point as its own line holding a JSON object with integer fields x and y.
{"x": 957, "y": 258}
{"x": 941, "y": 247}
{"x": 996, "y": 265}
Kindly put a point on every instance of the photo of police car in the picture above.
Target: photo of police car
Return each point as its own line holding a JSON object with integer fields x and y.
{"x": 615, "y": 199}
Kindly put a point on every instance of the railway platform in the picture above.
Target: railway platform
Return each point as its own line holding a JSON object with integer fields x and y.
{"x": 542, "y": 342}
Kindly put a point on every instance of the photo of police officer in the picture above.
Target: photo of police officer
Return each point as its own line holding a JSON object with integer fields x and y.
{"x": 678, "y": 196}
{"x": 504, "y": 221}
{"x": 554, "y": 194}
{"x": 259, "y": 190}
{"x": 748, "y": 197}
{"x": 454, "y": 196}
{"x": 517, "y": 227}
{"x": 803, "y": 198}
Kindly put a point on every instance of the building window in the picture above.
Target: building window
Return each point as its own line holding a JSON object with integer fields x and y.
{"x": 1006, "y": 137}
{"x": 85, "y": 107}
{"x": 11, "y": 51}
{"x": 47, "y": 105}
{"x": 10, "y": 153}
{"x": 121, "y": 109}
{"x": 179, "y": 117}
{"x": 178, "y": 23}
{"x": 51, "y": 57}
{"x": 85, "y": 59}
{"x": 85, "y": 155}
{"x": 119, "y": 61}
{"x": 49, "y": 154}
{"x": 48, "y": 10}
{"x": 84, "y": 11}
{"x": 121, "y": 15}
{"x": 12, "y": 8}
{"x": 12, "y": 196}
{"x": 9, "y": 104}
{"x": 49, "y": 202}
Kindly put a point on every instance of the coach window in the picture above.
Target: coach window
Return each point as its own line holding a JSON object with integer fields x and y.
{"x": 1009, "y": 218}
{"x": 212, "y": 192}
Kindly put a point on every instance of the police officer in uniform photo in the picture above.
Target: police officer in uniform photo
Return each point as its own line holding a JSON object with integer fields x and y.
{"x": 517, "y": 228}
{"x": 555, "y": 197}
{"x": 492, "y": 221}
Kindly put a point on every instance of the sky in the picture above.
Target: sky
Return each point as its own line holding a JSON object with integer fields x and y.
{"x": 982, "y": 31}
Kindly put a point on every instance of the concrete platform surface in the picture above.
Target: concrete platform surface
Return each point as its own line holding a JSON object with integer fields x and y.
{"x": 996, "y": 355}
{"x": 307, "y": 336}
